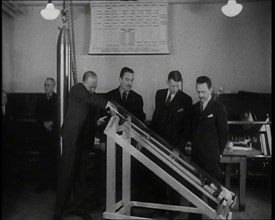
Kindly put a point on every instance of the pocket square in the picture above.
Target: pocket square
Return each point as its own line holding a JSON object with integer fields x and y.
{"x": 210, "y": 116}
{"x": 180, "y": 110}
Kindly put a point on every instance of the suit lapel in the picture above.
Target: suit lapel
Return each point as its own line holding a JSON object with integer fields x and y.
{"x": 117, "y": 97}
{"x": 118, "y": 94}
{"x": 207, "y": 109}
{"x": 162, "y": 98}
{"x": 129, "y": 97}
{"x": 196, "y": 114}
{"x": 173, "y": 105}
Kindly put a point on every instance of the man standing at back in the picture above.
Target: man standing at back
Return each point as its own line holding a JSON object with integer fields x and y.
{"x": 46, "y": 115}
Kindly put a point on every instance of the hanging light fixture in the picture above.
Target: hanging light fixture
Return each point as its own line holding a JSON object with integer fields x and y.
{"x": 50, "y": 13}
{"x": 232, "y": 8}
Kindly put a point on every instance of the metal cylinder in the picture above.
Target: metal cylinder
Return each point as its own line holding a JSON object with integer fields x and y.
{"x": 63, "y": 73}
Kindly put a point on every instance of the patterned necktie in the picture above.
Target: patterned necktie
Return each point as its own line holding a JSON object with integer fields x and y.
{"x": 168, "y": 100}
{"x": 3, "y": 110}
{"x": 124, "y": 96}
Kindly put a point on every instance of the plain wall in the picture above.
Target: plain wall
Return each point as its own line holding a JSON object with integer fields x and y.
{"x": 234, "y": 52}
{"x": 7, "y": 23}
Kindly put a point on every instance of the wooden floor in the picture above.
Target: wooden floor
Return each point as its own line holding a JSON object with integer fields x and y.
{"x": 258, "y": 200}
{"x": 19, "y": 202}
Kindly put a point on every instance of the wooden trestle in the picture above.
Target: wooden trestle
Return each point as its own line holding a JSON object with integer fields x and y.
{"x": 121, "y": 135}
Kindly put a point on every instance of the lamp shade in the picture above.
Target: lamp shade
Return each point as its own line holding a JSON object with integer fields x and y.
{"x": 50, "y": 12}
{"x": 232, "y": 8}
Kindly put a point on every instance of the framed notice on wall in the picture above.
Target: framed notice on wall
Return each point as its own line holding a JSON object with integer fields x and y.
{"x": 129, "y": 27}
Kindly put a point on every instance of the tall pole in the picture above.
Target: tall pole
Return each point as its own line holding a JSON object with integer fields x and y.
{"x": 63, "y": 69}
{"x": 66, "y": 61}
{"x": 71, "y": 32}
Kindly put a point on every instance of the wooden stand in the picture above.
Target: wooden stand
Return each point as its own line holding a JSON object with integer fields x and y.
{"x": 122, "y": 209}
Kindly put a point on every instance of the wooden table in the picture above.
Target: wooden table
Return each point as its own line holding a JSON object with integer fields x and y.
{"x": 238, "y": 157}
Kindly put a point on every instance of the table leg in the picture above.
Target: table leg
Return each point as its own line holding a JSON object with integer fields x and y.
{"x": 227, "y": 175}
{"x": 242, "y": 188}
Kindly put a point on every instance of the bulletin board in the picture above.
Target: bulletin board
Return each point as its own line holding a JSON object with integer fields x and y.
{"x": 129, "y": 27}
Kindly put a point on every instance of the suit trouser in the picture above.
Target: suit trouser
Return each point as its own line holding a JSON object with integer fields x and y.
{"x": 50, "y": 153}
{"x": 213, "y": 171}
{"x": 72, "y": 175}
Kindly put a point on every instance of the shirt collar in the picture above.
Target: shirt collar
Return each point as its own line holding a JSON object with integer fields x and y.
{"x": 206, "y": 102}
{"x": 168, "y": 93}
{"x": 49, "y": 95}
{"x": 122, "y": 91}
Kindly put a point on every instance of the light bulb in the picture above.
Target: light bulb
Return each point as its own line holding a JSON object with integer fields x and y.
{"x": 50, "y": 12}
{"x": 232, "y": 8}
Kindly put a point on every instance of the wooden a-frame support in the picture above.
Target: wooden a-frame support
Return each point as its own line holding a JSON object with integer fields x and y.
{"x": 122, "y": 208}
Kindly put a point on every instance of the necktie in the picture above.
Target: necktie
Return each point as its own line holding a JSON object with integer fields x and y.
{"x": 124, "y": 96}
{"x": 168, "y": 100}
{"x": 201, "y": 106}
{"x": 3, "y": 110}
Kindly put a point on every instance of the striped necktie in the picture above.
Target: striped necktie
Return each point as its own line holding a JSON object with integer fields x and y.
{"x": 124, "y": 96}
{"x": 168, "y": 100}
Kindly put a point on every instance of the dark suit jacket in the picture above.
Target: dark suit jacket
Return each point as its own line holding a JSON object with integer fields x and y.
{"x": 88, "y": 131}
{"x": 47, "y": 110}
{"x": 209, "y": 136}
{"x": 134, "y": 102}
{"x": 75, "y": 155}
{"x": 173, "y": 122}
{"x": 78, "y": 108}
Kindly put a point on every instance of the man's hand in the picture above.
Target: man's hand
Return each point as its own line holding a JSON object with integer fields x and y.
{"x": 48, "y": 125}
{"x": 175, "y": 153}
{"x": 139, "y": 146}
{"x": 101, "y": 120}
{"x": 113, "y": 108}
{"x": 101, "y": 146}
{"x": 187, "y": 149}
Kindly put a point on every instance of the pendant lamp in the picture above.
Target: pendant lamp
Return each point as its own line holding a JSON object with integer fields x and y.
{"x": 50, "y": 13}
{"x": 232, "y": 8}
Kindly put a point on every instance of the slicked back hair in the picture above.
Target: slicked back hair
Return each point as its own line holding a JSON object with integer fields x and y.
{"x": 124, "y": 70}
{"x": 204, "y": 79}
{"x": 175, "y": 75}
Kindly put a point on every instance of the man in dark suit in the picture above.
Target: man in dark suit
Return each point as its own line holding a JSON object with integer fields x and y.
{"x": 82, "y": 96}
{"x": 172, "y": 115}
{"x": 125, "y": 96}
{"x": 209, "y": 130}
{"x": 172, "y": 120}
{"x": 46, "y": 116}
{"x": 132, "y": 102}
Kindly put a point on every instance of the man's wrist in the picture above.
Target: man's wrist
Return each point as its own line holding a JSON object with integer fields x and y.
{"x": 108, "y": 104}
